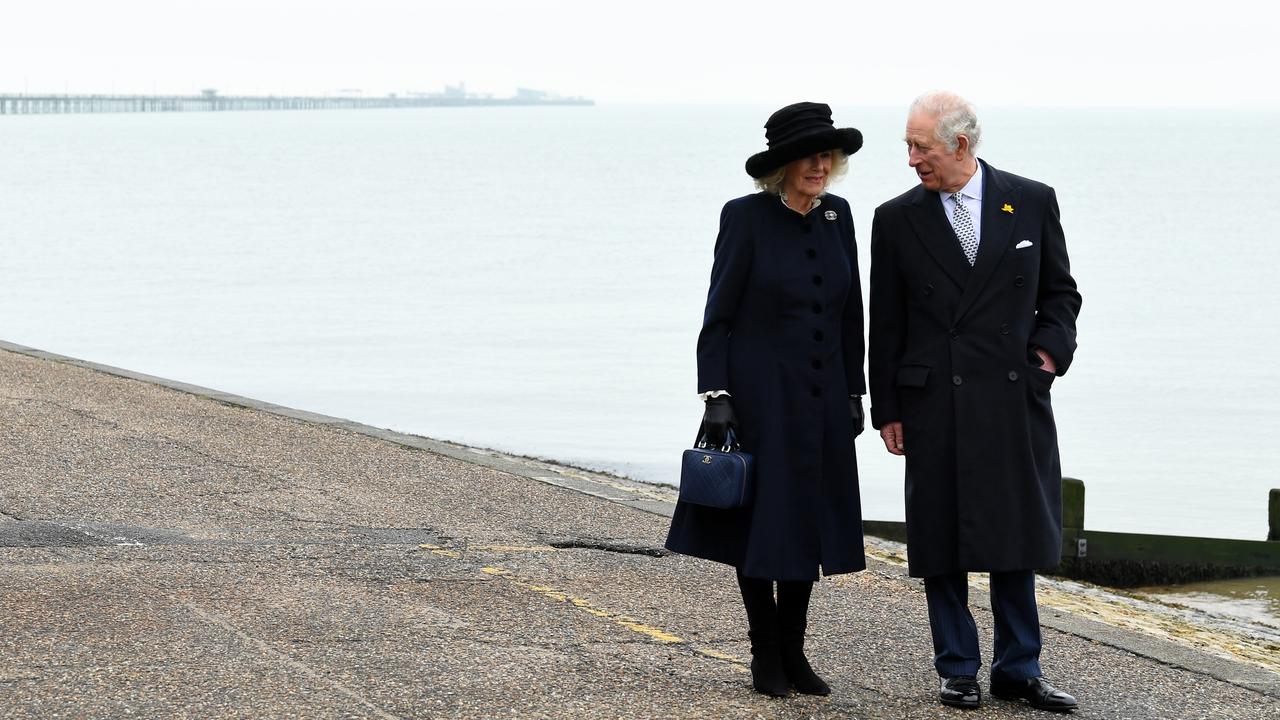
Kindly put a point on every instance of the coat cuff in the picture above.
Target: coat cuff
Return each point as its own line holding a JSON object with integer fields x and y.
{"x": 882, "y": 415}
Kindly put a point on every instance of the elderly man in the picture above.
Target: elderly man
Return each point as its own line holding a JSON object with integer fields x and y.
{"x": 973, "y": 315}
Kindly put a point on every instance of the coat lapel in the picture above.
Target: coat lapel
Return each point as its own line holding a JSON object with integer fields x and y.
{"x": 929, "y": 221}
{"x": 997, "y": 230}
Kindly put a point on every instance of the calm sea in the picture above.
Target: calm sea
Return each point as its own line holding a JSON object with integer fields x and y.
{"x": 532, "y": 279}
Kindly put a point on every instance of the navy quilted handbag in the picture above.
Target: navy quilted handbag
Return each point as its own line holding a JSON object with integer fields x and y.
{"x": 717, "y": 477}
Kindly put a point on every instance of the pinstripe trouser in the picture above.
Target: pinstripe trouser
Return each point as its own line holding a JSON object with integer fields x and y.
{"x": 955, "y": 636}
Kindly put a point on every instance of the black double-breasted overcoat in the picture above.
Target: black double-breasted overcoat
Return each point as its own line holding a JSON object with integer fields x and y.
{"x": 783, "y": 333}
{"x": 951, "y": 357}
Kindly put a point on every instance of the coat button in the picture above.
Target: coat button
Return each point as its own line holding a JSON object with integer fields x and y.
{"x": 928, "y": 289}
{"x": 1004, "y": 328}
{"x": 1017, "y": 282}
{"x": 816, "y": 392}
{"x": 811, "y": 253}
{"x": 955, "y": 380}
{"x": 817, "y": 308}
{"x": 954, "y": 333}
{"x": 817, "y": 364}
{"x": 1013, "y": 375}
{"x": 817, "y": 279}
{"x": 817, "y": 335}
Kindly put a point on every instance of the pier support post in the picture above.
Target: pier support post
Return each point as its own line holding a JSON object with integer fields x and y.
{"x": 1273, "y": 516}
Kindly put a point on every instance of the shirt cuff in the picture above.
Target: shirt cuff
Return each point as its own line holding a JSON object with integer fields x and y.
{"x": 713, "y": 393}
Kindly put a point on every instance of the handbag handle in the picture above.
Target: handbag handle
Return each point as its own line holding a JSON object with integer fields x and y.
{"x": 730, "y": 441}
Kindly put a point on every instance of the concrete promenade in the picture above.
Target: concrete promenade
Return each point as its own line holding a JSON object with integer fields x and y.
{"x": 173, "y": 553}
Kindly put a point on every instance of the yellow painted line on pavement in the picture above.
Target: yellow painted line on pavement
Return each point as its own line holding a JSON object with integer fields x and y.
{"x": 586, "y": 606}
{"x": 630, "y": 623}
{"x": 442, "y": 552}
{"x": 715, "y": 655}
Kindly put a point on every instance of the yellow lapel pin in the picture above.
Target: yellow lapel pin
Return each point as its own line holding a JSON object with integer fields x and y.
{"x": 1007, "y": 208}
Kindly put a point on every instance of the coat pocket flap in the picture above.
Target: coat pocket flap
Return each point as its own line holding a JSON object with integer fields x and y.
{"x": 913, "y": 376}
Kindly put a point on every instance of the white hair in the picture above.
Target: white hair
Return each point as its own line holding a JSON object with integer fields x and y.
{"x": 955, "y": 116}
{"x": 773, "y": 181}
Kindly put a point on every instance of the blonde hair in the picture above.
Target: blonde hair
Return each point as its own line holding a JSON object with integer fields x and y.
{"x": 772, "y": 183}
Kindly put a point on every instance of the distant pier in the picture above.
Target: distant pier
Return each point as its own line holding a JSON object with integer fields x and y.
{"x": 212, "y": 102}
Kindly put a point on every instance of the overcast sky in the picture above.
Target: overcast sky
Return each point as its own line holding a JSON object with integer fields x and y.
{"x": 1080, "y": 53}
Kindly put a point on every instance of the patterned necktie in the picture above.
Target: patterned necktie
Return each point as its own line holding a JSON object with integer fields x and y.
{"x": 963, "y": 224}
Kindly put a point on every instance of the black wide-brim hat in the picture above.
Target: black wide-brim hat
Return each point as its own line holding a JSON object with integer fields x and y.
{"x": 798, "y": 131}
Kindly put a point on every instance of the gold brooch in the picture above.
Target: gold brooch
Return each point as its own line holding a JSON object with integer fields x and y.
{"x": 1007, "y": 208}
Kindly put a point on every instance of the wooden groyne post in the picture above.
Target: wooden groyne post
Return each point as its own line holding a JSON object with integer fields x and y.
{"x": 1074, "y": 543}
{"x": 1273, "y": 516}
{"x": 1134, "y": 559}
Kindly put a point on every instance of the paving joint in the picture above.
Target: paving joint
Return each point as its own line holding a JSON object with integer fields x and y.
{"x": 268, "y": 649}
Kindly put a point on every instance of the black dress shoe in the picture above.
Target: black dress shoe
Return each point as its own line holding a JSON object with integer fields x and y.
{"x": 1036, "y": 691}
{"x": 961, "y": 691}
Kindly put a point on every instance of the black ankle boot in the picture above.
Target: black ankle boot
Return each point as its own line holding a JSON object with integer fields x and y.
{"x": 796, "y": 667}
{"x": 767, "y": 675}
{"x": 793, "y": 618}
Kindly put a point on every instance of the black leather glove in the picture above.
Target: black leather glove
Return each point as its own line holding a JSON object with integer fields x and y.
{"x": 717, "y": 419}
{"x": 855, "y": 411}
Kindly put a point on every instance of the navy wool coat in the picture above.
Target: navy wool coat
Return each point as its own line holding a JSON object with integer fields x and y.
{"x": 951, "y": 357}
{"x": 782, "y": 332}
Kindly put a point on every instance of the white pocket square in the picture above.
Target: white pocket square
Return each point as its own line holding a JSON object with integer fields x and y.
{"x": 1024, "y": 243}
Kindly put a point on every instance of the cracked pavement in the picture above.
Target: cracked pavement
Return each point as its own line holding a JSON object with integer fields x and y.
{"x": 167, "y": 555}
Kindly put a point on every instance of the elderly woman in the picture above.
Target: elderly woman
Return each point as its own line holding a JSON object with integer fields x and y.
{"x": 780, "y": 361}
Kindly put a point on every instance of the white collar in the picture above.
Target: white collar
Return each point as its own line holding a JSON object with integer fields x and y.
{"x": 783, "y": 195}
{"x": 973, "y": 188}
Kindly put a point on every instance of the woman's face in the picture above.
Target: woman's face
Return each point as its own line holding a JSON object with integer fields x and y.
{"x": 808, "y": 175}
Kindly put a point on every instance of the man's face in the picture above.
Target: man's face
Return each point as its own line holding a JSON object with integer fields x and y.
{"x": 938, "y": 170}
